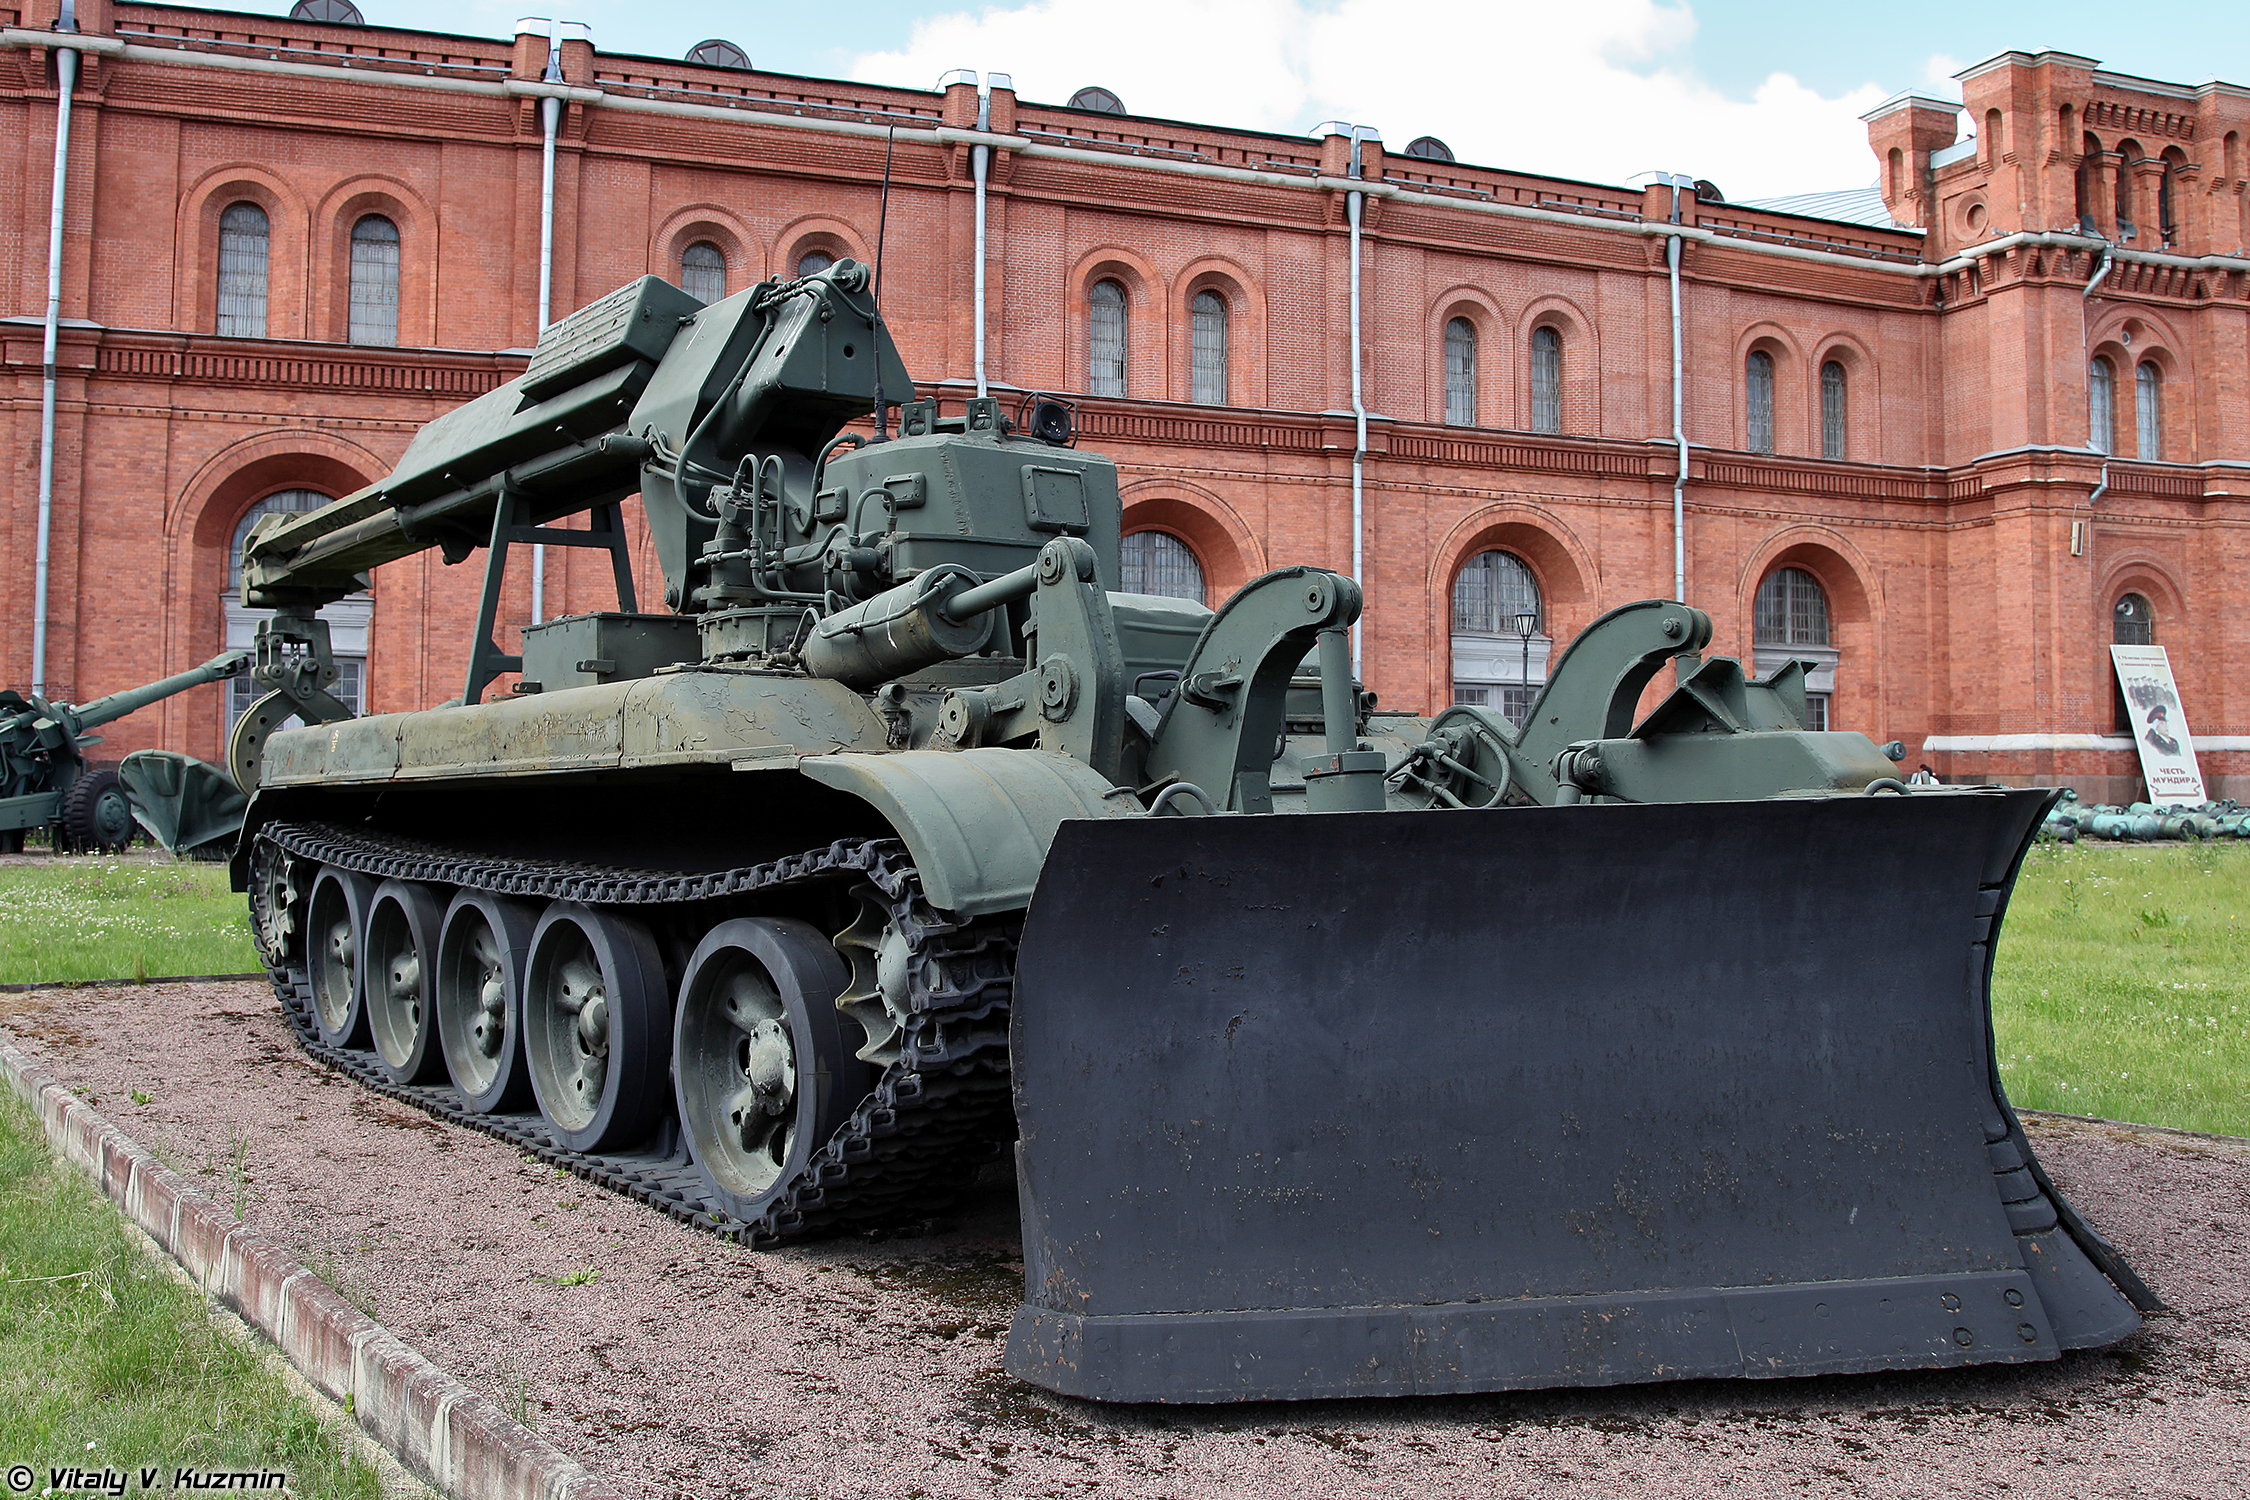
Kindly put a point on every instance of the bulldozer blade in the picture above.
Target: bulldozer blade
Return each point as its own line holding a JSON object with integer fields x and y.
{"x": 1366, "y": 1104}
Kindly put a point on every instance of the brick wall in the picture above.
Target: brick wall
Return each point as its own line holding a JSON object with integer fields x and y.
{"x": 1943, "y": 536}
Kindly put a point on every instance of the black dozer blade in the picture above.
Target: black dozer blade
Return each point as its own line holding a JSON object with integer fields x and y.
{"x": 1368, "y": 1104}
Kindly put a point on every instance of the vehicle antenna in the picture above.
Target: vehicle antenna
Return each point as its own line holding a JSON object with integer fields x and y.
{"x": 882, "y": 223}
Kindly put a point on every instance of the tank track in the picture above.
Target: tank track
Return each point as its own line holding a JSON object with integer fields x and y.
{"x": 935, "y": 1116}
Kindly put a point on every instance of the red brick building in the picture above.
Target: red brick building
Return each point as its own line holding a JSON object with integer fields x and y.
{"x": 286, "y": 244}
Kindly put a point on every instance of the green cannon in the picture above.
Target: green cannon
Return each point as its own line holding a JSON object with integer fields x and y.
{"x": 45, "y": 781}
{"x": 1342, "y": 1051}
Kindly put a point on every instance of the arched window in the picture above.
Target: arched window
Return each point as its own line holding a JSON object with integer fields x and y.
{"x": 347, "y": 618}
{"x": 1789, "y": 621}
{"x": 703, "y": 272}
{"x": 812, "y": 262}
{"x": 244, "y": 239}
{"x": 1792, "y": 610}
{"x": 1105, "y": 339}
{"x": 1833, "y": 393}
{"x": 2132, "y": 622}
{"x": 1207, "y": 320}
{"x": 718, "y": 52}
{"x": 2148, "y": 409}
{"x": 2086, "y": 181}
{"x": 1546, "y": 379}
{"x": 1461, "y": 373}
{"x": 2101, "y": 405}
{"x": 1757, "y": 381}
{"x": 374, "y": 286}
{"x": 1157, "y": 562}
{"x": 2128, "y": 209}
{"x": 1500, "y": 641}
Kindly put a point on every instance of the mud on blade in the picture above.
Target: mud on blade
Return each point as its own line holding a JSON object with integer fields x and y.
{"x": 1367, "y": 1105}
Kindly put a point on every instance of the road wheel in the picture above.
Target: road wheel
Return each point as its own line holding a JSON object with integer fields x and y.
{"x": 760, "y": 1065}
{"x": 400, "y": 966}
{"x": 482, "y": 946}
{"x": 96, "y": 818}
{"x": 597, "y": 1028}
{"x": 336, "y": 932}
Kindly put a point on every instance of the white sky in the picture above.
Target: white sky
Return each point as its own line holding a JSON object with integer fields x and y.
{"x": 1762, "y": 97}
{"x": 1596, "y": 89}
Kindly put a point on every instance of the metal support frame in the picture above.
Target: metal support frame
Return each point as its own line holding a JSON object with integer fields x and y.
{"x": 511, "y": 524}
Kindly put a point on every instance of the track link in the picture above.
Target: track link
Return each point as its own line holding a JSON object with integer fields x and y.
{"x": 935, "y": 1116}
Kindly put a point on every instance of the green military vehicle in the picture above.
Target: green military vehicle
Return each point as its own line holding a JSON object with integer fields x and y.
{"x": 1343, "y": 1052}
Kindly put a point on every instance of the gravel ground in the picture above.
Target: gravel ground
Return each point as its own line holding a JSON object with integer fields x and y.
{"x": 687, "y": 1366}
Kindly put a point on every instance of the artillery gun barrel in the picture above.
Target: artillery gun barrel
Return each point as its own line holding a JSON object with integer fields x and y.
{"x": 117, "y": 705}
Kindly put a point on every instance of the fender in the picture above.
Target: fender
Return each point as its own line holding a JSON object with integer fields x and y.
{"x": 978, "y": 822}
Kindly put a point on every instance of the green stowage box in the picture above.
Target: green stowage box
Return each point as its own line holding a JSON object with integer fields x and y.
{"x": 582, "y": 650}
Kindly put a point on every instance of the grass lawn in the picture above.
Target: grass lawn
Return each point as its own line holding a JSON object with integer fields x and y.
{"x": 106, "y": 1360}
{"x": 2122, "y": 987}
{"x": 120, "y": 917}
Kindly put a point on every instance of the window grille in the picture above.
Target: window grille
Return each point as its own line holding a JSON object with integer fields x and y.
{"x": 1832, "y": 406}
{"x": 2133, "y": 622}
{"x": 703, "y": 272}
{"x": 718, "y": 52}
{"x": 244, "y": 240}
{"x": 1492, "y": 590}
{"x": 1546, "y": 380}
{"x": 1157, "y": 562}
{"x": 1816, "y": 712}
{"x": 2101, "y": 405}
{"x": 1461, "y": 373}
{"x": 1207, "y": 316}
{"x": 1096, "y": 97}
{"x": 374, "y": 282}
{"x": 1791, "y": 610}
{"x": 1758, "y": 383}
{"x": 1105, "y": 340}
{"x": 812, "y": 262}
{"x": 2148, "y": 409}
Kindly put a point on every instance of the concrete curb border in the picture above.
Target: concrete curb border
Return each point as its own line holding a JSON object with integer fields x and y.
{"x": 444, "y": 1432}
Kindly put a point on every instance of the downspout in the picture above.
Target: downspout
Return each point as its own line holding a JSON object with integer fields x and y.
{"x": 550, "y": 118}
{"x": 2085, "y": 339}
{"x": 66, "y": 70}
{"x": 979, "y": 162}
{"x": 1679, "y": 405}
{"x": 1352, "y": 208}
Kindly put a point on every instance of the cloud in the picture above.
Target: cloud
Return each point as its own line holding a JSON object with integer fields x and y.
{"x": 1598, "y": 89}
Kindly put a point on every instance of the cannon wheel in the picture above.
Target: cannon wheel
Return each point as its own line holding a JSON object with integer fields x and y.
{"x": 96, "y": 819}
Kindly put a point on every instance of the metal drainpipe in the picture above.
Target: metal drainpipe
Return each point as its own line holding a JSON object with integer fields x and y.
{"x": 1352, "y": 202}
{"x": 2085, "y": 338}
{"x": 550, "y": 118}
{"x": 66, "y": 68}
{"x": 1679, "y": 406}
{"x": 979, "y": 161}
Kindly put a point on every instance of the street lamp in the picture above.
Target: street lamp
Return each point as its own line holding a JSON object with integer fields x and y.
{"x": 1527, "y": 626}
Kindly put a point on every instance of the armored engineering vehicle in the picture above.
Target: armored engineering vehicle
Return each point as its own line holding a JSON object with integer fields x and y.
{"x": 45, "y": 780}
{"x": 1620, "y": 1047}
